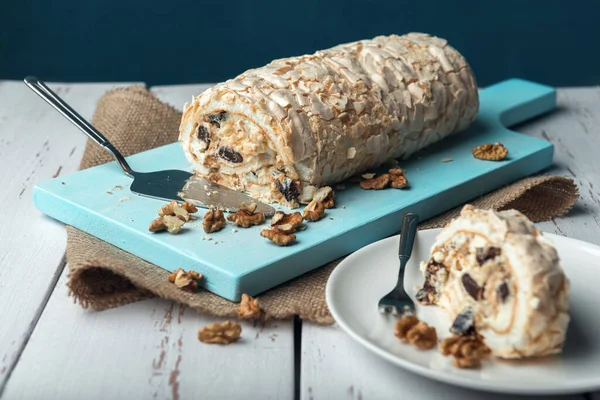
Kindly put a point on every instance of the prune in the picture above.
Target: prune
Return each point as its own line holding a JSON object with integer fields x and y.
{"x": 288, "y": 188}
{"x": 464, "y": 324}
{"x": 471, "y": 286}
{"x": 230, "y": 155}
{"x": 502, "y": 291}
{"x": 484, "y": 254}
{"x": 203, "y": 134}
{"x": 216, "y": 119}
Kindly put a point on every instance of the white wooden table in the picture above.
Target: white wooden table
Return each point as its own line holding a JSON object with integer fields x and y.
{"x": 50, "y": 348}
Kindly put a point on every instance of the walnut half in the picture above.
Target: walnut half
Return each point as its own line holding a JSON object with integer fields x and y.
{"x": 490, "y": 152}
{"x": 185, "y": 280}
{"x": 394, "y": 178}
{"x": 286, "y": 223}
{"x": 397, "y": 178}
{"x": 378, "y": 183}
{"x": 468, "y": 351}
{"x": 249, "y": 308}
{"x": 168, "y": 223}
{"x": 182, "y": 211}
{"x": 214, "y": 221}
{"x": 314, "y": 211}
{"x": 224, "y": 333}
{"x": 418, "y": 333}
{"x": 279, "y": 238}
{"x": 246, "y": 219}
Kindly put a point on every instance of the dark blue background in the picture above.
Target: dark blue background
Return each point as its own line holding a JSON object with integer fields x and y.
{"x": 170, "y": 42}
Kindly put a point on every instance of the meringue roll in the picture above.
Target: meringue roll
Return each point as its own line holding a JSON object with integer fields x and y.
{"x": 284, "y": 130}
{"x": 499, "y": 277}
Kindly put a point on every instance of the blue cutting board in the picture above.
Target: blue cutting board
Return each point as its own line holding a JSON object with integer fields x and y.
{"x": 244, "y": 262}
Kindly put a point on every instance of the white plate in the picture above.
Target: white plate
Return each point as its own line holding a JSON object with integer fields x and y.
{"x": 359, "y": 281}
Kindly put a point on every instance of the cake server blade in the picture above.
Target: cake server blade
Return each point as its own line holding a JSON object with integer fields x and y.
{"x": 164, "y": 185}
{"x": 204, "y": 193}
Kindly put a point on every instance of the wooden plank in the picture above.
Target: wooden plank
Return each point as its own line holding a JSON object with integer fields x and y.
{"x": 359, "y": 374}
{"x": 573, "y": 129}
{"x": 36, "y": 143}
{"x": 149, "y": 349}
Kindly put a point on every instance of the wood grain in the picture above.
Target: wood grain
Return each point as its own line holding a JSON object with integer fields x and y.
{"x": 148, "y": 350}
{"x": 36, "y": 143}
{"x": 574, "y": 129}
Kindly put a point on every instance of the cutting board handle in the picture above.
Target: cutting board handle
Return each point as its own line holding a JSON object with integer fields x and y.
{"x": 516, "y": 100}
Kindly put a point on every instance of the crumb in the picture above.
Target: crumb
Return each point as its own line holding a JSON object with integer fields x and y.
{"x": 123, "y": 199}
{"x": 343, "y": 206}
{"x": 224, "y": 333}
{"x": 446, "y": 160}
{"x": 108, "y": 192}
{"x": 234, "y": 230}
{"x": 63, "y": 183}
{"x": 331, "y": 218}
{"x": 206, "y": 237}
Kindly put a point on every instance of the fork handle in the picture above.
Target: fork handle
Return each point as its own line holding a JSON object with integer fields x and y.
{"x": 407, "y": 237}
{"x": 62, "y": 107}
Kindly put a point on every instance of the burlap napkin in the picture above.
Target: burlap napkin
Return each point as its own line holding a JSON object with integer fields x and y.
{"x": 102, "y": 276}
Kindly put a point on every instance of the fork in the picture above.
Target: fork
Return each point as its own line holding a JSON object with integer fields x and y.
{"x": 398, "y": 299}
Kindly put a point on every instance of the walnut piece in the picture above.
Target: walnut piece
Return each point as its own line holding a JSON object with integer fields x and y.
{"x": 314, "y": 211}
{"x": 224, "y": 333}
{"x": 490, "y": 152}
{"x": 172, "y": 216}
{"x": 418, "y": 333}
{"x": 157, "y": 225}
{"x": 214, "y": 221}
{"x": 468, "y": 351}
{"x": 405, "y": 324}
{"x": 376, "y": 183}
{"x": 422, "y": 336}
{"x": 168, "y": 222}
{"x": 249, "y": 308}
{"x": 397, "y": 178}
{"x": 246, "y": 219}
{"x": 175, "y": 209}
{"x": 279, "y": 238}
{"x": 286, "y": 223}
{"x": 329, "y": 200}
{"x": 185, "y": 280}
{"x": 249, "y": 207}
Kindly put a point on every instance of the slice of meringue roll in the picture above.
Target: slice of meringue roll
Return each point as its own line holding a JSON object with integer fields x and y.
{"x": 499, "y": 277}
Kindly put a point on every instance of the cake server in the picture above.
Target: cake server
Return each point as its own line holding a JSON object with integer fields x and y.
{"x": 163, "y": 185}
